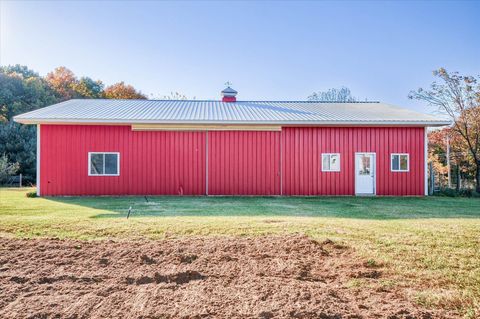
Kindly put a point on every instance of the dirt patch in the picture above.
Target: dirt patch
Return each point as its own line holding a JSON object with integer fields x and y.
{"x": 264, "y": 277}
{"x": 178, "y": 278}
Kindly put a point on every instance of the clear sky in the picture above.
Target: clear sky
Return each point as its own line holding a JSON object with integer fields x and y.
{"x": 268, "y": 50}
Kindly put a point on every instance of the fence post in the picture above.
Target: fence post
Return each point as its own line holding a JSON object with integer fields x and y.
{"x": 432, "y": 179}
{"x": 459, "y": 180}
{"x": 20, "y": 181}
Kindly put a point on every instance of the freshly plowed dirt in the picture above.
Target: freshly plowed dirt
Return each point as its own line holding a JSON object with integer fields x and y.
{"x": 263, "y": 277}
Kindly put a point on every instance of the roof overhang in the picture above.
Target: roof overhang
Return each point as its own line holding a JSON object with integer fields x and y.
{"x": 260, "y": 123}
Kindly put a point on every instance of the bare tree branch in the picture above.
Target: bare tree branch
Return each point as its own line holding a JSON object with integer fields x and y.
{"x": 459, "y": 97}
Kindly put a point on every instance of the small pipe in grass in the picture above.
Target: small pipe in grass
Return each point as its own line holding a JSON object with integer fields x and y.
{"x": 129, "y": 210}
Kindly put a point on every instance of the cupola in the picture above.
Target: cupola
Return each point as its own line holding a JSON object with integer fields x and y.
{"x": 229, "y": 95}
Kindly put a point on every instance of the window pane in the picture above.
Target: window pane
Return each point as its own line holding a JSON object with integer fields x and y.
{"x": 403, "y": 162}
{"x": 326, "y": 162}
{"x": 334, "y": 162}
{"x": 364, "y": 165}
{"x": 96, "y": 164}
{"x": 395, "y": 164}
{"x": 111, "y": 164}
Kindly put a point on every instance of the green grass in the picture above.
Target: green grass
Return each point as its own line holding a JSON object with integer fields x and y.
{"x": 431, "y": 243}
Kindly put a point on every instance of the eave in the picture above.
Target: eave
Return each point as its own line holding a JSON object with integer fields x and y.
{"x": 206, "y": 123}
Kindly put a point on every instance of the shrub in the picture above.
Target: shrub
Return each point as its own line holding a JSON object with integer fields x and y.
{"x": 7, "y": 169}
{"x": 451, "y": 192}
{"x": 31, "y": 194}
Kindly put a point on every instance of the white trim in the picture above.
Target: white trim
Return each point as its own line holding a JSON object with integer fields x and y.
{"x": 118, "y": 163}
{"x": 248, "y": 122}
{"x": 329, "y": 157}
{"x": 374, "y": 172}
{"x": 281, "y": 162}
{"x": 425, "y": 159}
{"x": 38, "y": 160}
{"x": 399, "y": 170}
{"x": 206, "y": 163}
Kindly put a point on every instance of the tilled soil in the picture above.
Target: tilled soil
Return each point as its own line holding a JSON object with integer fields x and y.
{"x": 214, "y": 277}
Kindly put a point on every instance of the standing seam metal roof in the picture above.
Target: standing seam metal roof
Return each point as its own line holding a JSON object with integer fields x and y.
{"x": 218, "y": 112}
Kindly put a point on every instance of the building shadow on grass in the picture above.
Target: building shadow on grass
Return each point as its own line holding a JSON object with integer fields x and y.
{"x": 374, "y": 208}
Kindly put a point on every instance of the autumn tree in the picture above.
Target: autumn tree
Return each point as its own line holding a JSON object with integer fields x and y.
{"x": 333, "y": 95}
{"x": 437, "y": 150}
{"x": 123, "y": 91}
{"x": 458, "y": 96}
{"x": 67, "y": 86}
{"x": 63, "y": 81}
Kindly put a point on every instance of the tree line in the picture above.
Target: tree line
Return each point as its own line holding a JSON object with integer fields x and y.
{"x": 23, "y": 90}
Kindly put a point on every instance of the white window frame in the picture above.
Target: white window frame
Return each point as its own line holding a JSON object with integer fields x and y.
{"x": 339, "y": 162}
{"x": 399, "y": 170}
{"x": 103, "y": 153}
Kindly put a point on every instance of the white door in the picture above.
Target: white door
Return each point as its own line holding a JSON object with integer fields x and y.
{"x": 365, "y": 173}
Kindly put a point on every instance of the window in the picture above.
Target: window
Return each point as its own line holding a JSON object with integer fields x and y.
{"x": 103, "y": 164}
{"x": 400, "y": 163}
{"x": 364, "y": 165}
{"x": 331, "y": 162}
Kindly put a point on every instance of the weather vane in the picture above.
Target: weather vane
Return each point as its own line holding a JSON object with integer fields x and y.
{"x": 228, "y": 83}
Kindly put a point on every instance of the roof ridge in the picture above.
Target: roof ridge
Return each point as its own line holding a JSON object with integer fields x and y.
{"x": 219, "y": 101}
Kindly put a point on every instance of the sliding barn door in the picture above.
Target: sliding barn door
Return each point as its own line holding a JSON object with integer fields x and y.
{"x": 243, "y": 163}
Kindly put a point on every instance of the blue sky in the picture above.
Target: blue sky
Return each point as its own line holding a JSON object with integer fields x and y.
{"x": 268, "y": 50}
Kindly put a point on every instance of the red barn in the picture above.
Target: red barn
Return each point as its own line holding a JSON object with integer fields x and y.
{"x": 229, "y": 147}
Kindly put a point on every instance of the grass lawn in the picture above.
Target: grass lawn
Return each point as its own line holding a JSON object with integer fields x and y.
{"x": 430, "y": 243}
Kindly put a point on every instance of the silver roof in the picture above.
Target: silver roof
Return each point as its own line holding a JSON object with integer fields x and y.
{"x": 217, "y": 112}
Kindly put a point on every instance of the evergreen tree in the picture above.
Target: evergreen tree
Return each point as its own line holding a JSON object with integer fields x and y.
{"x": 19, "y": 143}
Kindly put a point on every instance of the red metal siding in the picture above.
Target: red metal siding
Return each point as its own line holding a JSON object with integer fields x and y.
{"x": 243, "y": 163}
{"x": 170, "y": 163}
{"x": 301, "y": 159}
{"x": 239, "y": 162}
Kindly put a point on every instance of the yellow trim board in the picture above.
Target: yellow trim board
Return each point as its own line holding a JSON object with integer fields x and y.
{"x": 200, "y": 127}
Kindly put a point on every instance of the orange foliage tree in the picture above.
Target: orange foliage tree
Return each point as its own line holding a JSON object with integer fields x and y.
{"x": 123, "y": 91}
{"x": 437, "y": 150}
{"x": 67, "y": 86}
{"x": 459, "y": 157}
{"x": 62, "y": 81}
